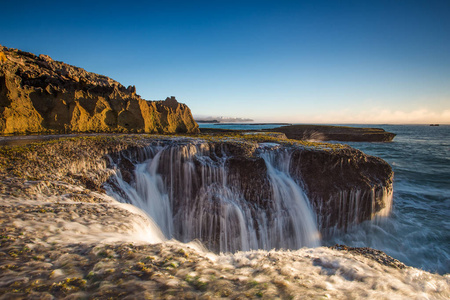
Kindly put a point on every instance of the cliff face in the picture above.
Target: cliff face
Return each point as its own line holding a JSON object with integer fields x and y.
{"x": 38, "y": 94}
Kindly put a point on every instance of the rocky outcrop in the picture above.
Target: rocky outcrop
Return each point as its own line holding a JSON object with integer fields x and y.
{"x": 233, "y": 194}
{"x": 374, "y": 254}
{"x": 335, "y": 133}
{"x": 344, "y": 186}
{"x": 40, "y": 95}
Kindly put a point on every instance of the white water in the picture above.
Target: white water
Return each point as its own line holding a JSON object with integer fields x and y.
{"x": 291, "y": 204}
{"x": 312, "y": 273}
{"x": 351, "y": 208}
{"x": 195, "y": 200}
{"x": 323, "y": 273}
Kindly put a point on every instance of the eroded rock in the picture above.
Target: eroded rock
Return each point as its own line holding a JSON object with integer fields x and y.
{"x": 41, "y": 95}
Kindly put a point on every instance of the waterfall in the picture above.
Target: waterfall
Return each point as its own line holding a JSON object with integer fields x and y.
{"x": 295, "y": 224}
{"x": 347, "y": 209}
{"x": 191, "y": 192}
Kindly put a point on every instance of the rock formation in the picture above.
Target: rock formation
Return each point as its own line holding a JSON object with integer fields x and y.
{"x": 209, "y": 183}
{"x": 344, "y": 186}
{"x": 335, "y": 133}
{"x": 40, "y": 95}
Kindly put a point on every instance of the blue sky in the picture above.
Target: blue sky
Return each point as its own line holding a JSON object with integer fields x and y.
{"x": 291, "y": 61}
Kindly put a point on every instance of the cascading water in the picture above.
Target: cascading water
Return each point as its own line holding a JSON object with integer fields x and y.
{"x": 148, "y": 195}
{"x": 190, "y": 193}
{"x": 298, "y": 226}
{"x": 351, "y": 208}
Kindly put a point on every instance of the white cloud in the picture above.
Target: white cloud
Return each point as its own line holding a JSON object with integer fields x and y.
{"x": 377, "y": 115}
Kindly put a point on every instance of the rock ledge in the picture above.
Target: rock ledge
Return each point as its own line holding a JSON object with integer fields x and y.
{"x": 335, "y": 133}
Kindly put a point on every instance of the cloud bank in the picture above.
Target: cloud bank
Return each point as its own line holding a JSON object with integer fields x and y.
{"x": 376, "y": 115}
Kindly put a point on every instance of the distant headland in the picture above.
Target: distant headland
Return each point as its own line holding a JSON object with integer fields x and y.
{"x": 335, "y": 133}
{"x": 222, "y": 120}
{"x": 318, "y": 133}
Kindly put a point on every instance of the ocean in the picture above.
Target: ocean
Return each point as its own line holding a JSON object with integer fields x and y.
{"x": 418, "y": 230}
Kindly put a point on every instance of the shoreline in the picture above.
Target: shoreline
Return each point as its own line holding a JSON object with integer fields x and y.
{"x": 61, "y": 236}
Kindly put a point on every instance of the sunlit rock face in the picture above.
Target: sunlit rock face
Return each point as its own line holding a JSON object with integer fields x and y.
{"x": 38, "y": 94}
{"x": 240, "y": 196}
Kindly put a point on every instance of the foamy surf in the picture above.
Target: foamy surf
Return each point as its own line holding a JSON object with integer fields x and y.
{"x": 108, "y": 249}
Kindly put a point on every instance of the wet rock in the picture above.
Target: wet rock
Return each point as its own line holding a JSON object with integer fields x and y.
{"x": 377, "y": 255}
{"x": 345, "y": 186}
{"x": 335, "y": 133}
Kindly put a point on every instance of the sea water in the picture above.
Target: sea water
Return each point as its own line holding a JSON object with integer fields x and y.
{"x": 418, "y": 230}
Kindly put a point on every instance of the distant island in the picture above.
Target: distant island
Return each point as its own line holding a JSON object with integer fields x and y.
{"x": 222, "y": 120}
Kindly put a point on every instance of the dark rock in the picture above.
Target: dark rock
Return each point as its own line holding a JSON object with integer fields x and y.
{"x": 126, "y": 168}
{"x": 335, "y": 133}
{"x": 374, "y": 254}
{"x": 345, "y": 186}
{"x": 249, "y": 175}
{"x": 171, "y": 102}
{"x": 131, "y": 89}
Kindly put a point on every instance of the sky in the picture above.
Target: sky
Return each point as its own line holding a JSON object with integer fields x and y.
{"x": 337, "y": 62}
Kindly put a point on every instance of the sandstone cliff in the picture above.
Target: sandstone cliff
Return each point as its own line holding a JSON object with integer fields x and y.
{"x": 38, "y": 94}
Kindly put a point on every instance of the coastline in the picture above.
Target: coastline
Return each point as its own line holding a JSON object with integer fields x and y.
{"x": 66, "y": 238}
{"x": 308, "y": 132}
